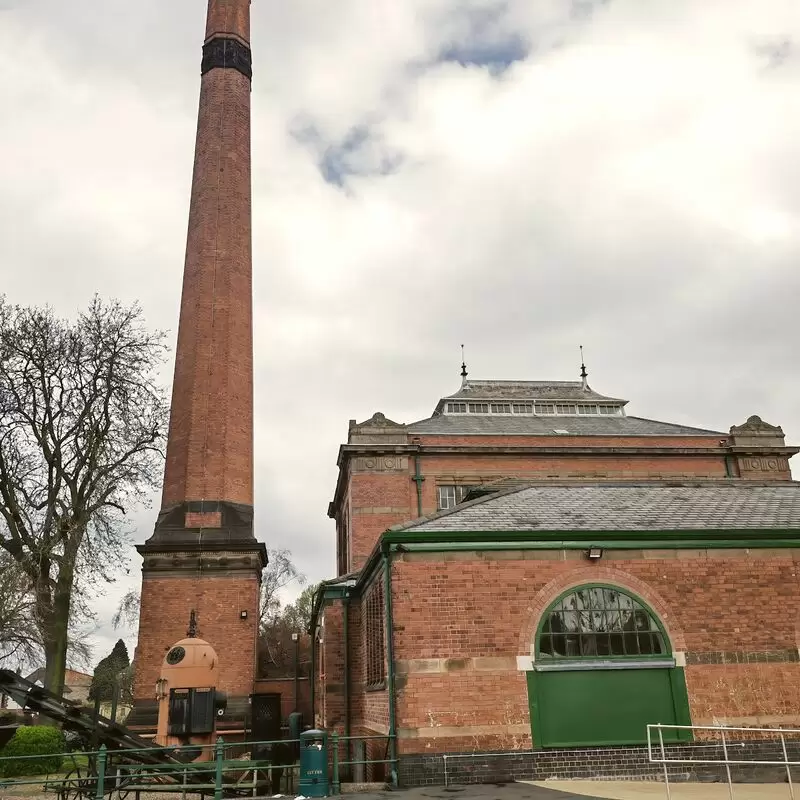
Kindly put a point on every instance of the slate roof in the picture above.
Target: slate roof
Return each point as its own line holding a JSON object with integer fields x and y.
{"x": 528, "y": 390}
{"x": 723, "y": 506}
{"x": 525, "y": 425}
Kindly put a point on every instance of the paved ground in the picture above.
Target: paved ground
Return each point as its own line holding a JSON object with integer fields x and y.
{"x": 588, "y": 790}
{"x": 489, "y": 791}
{"x": 550, "y": 790}
{"x": 650, "y": 790}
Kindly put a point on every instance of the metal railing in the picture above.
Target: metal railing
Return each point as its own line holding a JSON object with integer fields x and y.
{"x": 230, "y": 768}
{"x": 337, "y": 764}
{"x": 731, "y": 742}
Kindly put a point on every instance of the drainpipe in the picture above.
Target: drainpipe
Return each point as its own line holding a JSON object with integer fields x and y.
{"x": 387, "y": 593}
{"x": 418, "y": 479}
{"x": 313, "y": 673}
{"x": 346, "y": 627}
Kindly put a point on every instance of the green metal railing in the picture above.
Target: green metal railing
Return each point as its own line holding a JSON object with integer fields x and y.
{"x": 99, "y": 772}
{"x": 231, "y": 770}
{"x": 337, "y": 764}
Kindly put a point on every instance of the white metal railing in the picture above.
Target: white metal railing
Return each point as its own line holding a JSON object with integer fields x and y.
{"x": 728, "y": 747}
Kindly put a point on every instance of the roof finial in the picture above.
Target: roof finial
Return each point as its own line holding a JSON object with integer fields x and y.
{"x": 463, "y": 367}
{"x": 584, "y": 373}
{"x": 192, "y": 632}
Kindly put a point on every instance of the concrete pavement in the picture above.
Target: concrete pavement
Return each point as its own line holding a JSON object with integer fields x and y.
{"x": 651, "y": 790}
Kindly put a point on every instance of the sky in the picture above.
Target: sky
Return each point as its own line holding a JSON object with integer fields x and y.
{"x": 520, "y": 177}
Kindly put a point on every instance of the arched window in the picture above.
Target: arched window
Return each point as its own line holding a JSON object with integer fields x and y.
{"x": 599, "y": 622}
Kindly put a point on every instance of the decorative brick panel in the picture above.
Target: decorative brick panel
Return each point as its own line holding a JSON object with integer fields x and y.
{"x": 203, "y": 519}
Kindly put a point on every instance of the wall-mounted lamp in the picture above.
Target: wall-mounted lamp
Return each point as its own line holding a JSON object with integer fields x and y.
{"x": 243, "y": 614}
{"x": 161, "y": 688}
{"x": 295, "y": 637}
{"x": 594, "y": 553}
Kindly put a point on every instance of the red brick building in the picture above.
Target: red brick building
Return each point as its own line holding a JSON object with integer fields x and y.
{"x": 533, "y": 567}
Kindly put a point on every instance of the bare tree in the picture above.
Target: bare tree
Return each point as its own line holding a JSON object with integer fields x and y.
{"x": 20, "y": 643}
{"x": 21, "y": 646}
{"x": 82, "y": 421}
{"x": 279, "y": 573}
{"x": 276, "y": 648}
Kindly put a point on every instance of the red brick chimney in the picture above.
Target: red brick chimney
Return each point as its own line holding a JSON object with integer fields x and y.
{"x": 203, "y": 555}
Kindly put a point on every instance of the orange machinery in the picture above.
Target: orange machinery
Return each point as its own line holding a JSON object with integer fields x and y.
{"x": 188, "y": 700}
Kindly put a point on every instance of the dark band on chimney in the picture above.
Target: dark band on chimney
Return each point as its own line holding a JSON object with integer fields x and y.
{"x": 227, "y": 54}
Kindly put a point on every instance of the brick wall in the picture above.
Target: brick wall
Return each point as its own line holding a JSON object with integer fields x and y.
{"x": 460, "y": 624}
{"x": 164, "y": 618}
{"x": 597, "y": 763}
{"x": 229, "y": 16}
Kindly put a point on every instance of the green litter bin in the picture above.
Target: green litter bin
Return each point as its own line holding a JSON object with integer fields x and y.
{"x": 314, "y": 764}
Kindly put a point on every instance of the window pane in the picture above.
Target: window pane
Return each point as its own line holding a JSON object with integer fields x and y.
{"x": 600, "y": 621}
{"x": 447, "y": 497}
{"x": 631, "y": 644}
{"x": 572, "y": 645}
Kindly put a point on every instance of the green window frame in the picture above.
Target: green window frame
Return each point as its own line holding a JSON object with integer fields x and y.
{"x": 598, "y": 621}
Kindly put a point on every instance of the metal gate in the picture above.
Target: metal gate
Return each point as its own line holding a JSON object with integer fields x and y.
{"x": 266, "y": 717}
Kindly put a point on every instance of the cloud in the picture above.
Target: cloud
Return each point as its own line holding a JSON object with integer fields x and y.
{"x": 521, "y": 177}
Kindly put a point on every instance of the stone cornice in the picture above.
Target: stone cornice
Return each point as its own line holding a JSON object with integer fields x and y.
{"x": 166, "y": 563}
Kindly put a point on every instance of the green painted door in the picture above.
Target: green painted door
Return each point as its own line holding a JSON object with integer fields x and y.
{"x": 588, "y": 707}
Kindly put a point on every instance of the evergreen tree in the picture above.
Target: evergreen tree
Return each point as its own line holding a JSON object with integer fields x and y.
{"x": 107, "y": 672}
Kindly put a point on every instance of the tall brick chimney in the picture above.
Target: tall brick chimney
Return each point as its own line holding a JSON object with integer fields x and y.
{"x": 203, "y": 555}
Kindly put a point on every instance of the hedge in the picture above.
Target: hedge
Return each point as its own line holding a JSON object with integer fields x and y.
{"x": 32, "y": 741}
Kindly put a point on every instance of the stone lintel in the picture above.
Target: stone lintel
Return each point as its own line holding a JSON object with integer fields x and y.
{"x": 380, "y": 510}
{"x": 460, "y": 731}
{"x": 433, "y": 666}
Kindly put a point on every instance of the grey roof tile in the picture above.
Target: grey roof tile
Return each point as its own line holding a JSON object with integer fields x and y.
{"x": 614, "y": 507}
{"x": 523, "y": 425}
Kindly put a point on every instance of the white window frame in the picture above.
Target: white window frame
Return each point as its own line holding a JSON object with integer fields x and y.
{"x": 459, "y": 490}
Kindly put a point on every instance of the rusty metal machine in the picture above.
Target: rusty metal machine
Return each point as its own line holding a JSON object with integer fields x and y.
{"x": 188, "y": 699}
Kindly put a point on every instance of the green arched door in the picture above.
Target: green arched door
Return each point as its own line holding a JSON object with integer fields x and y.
{"x": 603, "y": 670}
